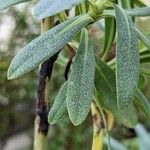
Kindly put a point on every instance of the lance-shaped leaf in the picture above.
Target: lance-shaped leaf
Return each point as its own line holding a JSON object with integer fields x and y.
{"x": 80, "y": 83}
{"x": 4, "y": 4}
{"x": 105, "y": 84}
{"x": 59, "y": 108}
{"x": 127, "y": 59}
{"x": 46, "y": 45}
{"x": 46, "y": 8}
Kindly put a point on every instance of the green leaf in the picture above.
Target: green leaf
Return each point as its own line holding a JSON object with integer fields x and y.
{"x": 127, "y": 59}
{"x": 105, "y": 84}
{"x": 144, "y": 37}
{"x": 139, "y": 3}
{"x": 143, "y": 103}
{"x": 110, "y": 32}
{"x": 144, "y": 11}
{"x": 141, "y": 12}
{"x": 141, "y": 82}
{"x": 143, "y": 136}
{"x": 59, "y": 108}
{"x": 145, "y": 71}
{"x": 81, "y": 81}
{"x": 125, "y": 3}
{"x": 46, "y": 45}
{"x": 46, "y": 8}
{"x": 4, "y": 4}
{"x": 145, "y": 58}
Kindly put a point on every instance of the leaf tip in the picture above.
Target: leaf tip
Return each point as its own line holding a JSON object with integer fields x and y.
{"x": 9, "y": 74}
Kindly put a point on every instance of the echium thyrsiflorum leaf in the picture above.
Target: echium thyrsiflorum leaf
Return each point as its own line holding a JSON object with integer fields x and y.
{"x": 46, "y": 45}
{"x": 4, "y": 4}
{"x": 46, "y": 8}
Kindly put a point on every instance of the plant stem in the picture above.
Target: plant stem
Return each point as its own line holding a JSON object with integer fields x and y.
{"x": 98, "y": 7}
{"x": 98, "y": 129}
{"x": 41, "y": 123}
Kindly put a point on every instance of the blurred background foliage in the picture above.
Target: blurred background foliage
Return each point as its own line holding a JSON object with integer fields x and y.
{"x": 17, "y": 97}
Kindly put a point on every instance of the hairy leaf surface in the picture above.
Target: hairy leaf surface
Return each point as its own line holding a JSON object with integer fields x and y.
{"x": 46, "y": 45}
{"x": 59, "y": 108}
{"x": 81, "y": 81}
{"x": 105, "y": 84}
{"x": 4, "y": 4}
{"x": 127, "y": 62}
{"x": 46, "y": 8}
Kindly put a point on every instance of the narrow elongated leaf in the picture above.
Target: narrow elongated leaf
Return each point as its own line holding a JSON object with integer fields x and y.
{"x": 4, "y": 4}
{"x": 144, "y": 11}
{"x": 144, "y": 37}
{"x": 145, "y": 58}
{"x": 141, "y": 12}
{"x": 81, "y": 81}
{"x": 110, "y": 31}
{"x": 141, "y": 82}
{"x": 125, "y": 3}
{"x": 46, "y": 8}
{"x": 105, "y": 84}
{"x": 45, "y": 46}
{"x": 59, "y": 108}
{"x": 143, "y": 102}
{"x": 145, "y": 71}
{"x": 127, "y": 62}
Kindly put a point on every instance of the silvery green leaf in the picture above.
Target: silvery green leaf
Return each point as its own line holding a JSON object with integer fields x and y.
{"x": 80, "y": 83}
{"x": 105, "y": 84}
{"x": 4, "y": 4}
{"x": 142, "y": 12}
{"x": 46, "y": 45}
{"x": 127, "y": 59}
{"x": 143, "y": 136}
{"x": 144, "y": 37}
{"x": 115, "y": 144}
{"x": 46, "y": 8}
{"x": 59, "y": 108}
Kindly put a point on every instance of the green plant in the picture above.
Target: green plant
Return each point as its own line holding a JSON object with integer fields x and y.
{"x": 112, "y": 83}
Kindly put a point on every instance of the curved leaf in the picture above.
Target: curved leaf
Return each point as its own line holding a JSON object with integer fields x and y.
{"x": 4, "y": 4}
{"x": 106, "y": 91}
{"x": 127, "y": 59}
{"x": 110, "y": 32}
{"x": 59, "y": 108}
{"x": 81, "y": 81}
{"x": 144, "y": 37}
{"x": 46, "y": 45}
{"x": 46, "y": 8}
{"x": 143, "y": 103}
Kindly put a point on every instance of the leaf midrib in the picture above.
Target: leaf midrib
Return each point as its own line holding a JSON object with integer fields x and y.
{"x": 59, "y": 34}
